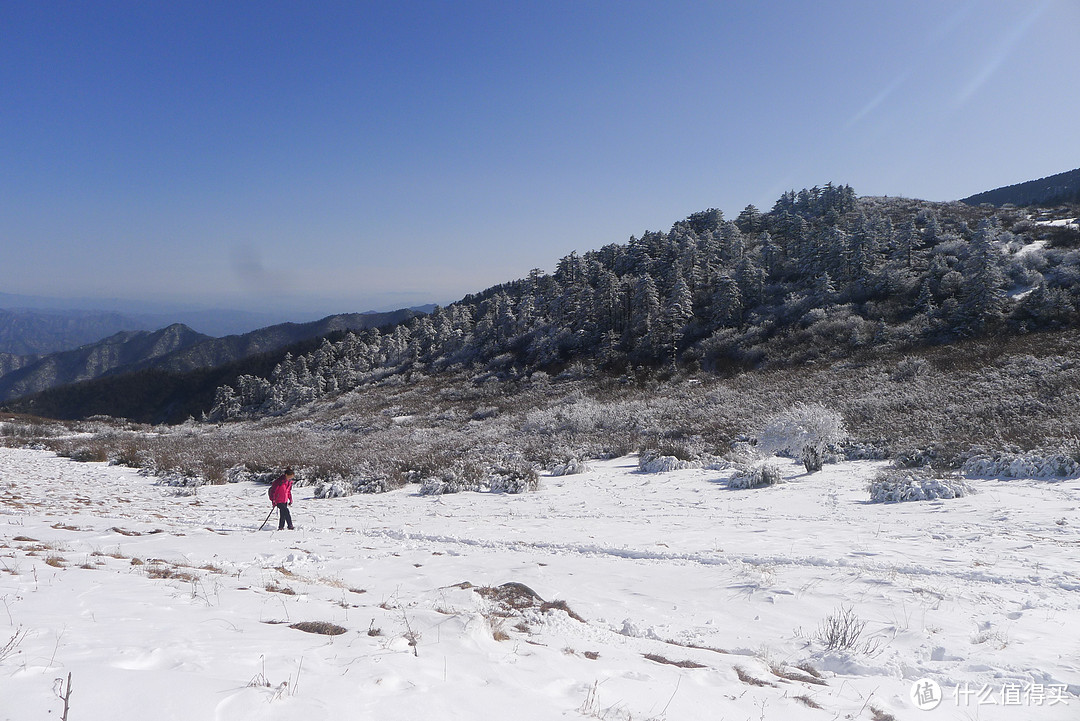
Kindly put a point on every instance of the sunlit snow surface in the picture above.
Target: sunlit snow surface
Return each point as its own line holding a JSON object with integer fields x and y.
{"x": 980, "y": 594}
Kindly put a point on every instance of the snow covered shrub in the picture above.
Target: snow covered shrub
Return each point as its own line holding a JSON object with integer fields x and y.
{"x": 909, "y": 368}
{"x": 1027, "y": 465}
{"x": 677, "y": 457}
{"x": 577, "y": 414}
{"x": 652, "y": 461}
{"x": 416, "y": 467}
{"x": 179, "y": 480}
{"x": 485, "y": 412}
{"x": 758, "y": 476}
{"x": 243, "y": 474}
{"x": 857, "y": 451}
{"x": 448, "y": 483}
{"x": 330, "y": 490}
{"x": 804, "y": 431}
{"x": 374, "y": 484}
{"x": 513, "y": 479}
{"x": 570, "y": 468}
{"x": 461, "y": 476}
{"x": 85, "y": 453}
{"x": 895, "y": 485}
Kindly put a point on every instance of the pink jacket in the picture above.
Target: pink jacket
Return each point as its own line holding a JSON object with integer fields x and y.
{"x": 281, "y": 491}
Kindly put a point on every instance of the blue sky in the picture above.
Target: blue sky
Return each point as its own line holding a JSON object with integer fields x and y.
{"x": 341, "y": 156}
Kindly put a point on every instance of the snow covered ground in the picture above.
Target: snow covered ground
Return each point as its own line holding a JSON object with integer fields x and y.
{"x": 168, "y": 606}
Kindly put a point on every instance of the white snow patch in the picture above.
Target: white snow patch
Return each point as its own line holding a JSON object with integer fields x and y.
{"x": 171, "y": 607}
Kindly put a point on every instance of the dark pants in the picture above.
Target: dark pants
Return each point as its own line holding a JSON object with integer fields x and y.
{"x": 284, "y": 517}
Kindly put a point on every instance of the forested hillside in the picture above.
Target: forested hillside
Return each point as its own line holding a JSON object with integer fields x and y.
{"x": 137, "y": 376}
{"x": 821, "y": 275}
{"x": 1051, "y": 190}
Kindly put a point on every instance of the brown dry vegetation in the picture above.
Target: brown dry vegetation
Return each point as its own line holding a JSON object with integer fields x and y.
{"x": 937, "y": 403}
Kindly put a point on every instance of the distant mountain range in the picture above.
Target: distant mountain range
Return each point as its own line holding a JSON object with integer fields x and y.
{"x": 25, "y": 332}
{"x": 174, "y": 349}
{"x": 1052, "y": 190}
{"x": 44, "y": 316}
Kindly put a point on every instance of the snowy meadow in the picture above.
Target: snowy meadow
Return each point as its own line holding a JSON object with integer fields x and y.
{"x": 610, "y": 593}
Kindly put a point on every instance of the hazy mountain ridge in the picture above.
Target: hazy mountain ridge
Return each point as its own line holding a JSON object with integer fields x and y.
{"x": 1051, "y": 190}
{"x": 126, "y": 348}
{"x": 11, "y": 362}
{"x": 108, "y": 377}
{"x": 28, "y": 332}
{"x": 141, "y": 315}
{"x": 219, "y": 351}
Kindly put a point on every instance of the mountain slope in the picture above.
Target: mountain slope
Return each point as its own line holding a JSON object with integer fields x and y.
{"x": 171, "y": 387}
{"x": 823, "y": 275}
{"x": 1051, "y": 190}
{"x": 219, "y": 351}
{"x": 91, "y": 361}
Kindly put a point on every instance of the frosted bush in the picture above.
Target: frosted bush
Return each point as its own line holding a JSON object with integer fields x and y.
{"x": 757, "y": 476}
{"x": 570, "y": 468}
{"x": 439, "y": 486}
{"x": 330, "y": 490}
{"x": 463, "y": 475}
{"x": 662, "y": 460}
{"x": 909, "y": 368}
{"x": 176, "y": 479}
{"x": 805, "y": 431}
{"x": 896, "y": 485}
{"x": 513, "y": 480}
{"x": 649, "y": 463}
{"x": 1028, "y": 465}
{"x": 579, "y": 414}
{"x": 242, "y": 473}
{"x": 378, "y": 484}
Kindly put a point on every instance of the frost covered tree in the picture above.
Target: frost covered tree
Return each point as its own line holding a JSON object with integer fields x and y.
{"x": 804, "y": 431}
{"x": 981, "y": 293}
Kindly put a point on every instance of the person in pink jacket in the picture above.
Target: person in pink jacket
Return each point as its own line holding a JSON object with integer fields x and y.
{"x": 281, "y": 497}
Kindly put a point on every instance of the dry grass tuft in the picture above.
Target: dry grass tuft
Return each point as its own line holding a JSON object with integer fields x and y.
{"x": 321, "y": 627}
{"x": 657, "y": 658}
{"x": 747, "y": 678}
{"x": 560, "y": 606}
{"x": 807, "y": 701}
{"x": 162, "y": 570}
{"x": 285, "y": 590}
{"x": 498, "y": 628}
{"x": 788, "y": 674}
{"x": 55, "y": 561}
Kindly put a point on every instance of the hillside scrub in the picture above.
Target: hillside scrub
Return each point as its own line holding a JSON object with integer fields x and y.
{"x": 976, "y": 399}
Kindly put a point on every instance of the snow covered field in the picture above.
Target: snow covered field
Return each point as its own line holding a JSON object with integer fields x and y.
{"x": 166, "y": 606}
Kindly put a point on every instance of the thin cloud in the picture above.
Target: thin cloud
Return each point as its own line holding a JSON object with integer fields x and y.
{"x": 878, "y": 99}
{"x": 253, "y": 277}
{"x": 1012, "y": 39}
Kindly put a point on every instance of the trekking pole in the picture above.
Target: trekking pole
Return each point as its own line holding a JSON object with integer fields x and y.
{"x": 268, "y": 517}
